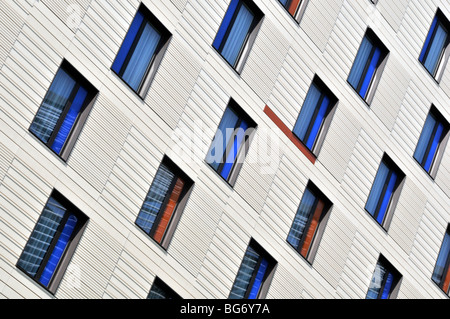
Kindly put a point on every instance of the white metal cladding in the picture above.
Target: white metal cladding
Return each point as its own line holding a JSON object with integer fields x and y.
{"x": 125, "y": 137}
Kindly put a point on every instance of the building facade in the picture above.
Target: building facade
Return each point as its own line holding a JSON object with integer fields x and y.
{"x": 224, "y": 149}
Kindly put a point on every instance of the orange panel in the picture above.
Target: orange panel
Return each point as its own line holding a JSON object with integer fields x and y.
{"x": 447, "y": 281}
{"x": 167, "y": 215}
{"x": 293, "y": 7}
{"x": 312, "y": 228}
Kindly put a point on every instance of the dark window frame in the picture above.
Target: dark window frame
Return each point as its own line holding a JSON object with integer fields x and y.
{"x": 245, "y": 145}
{"x": 249, "y": 39}
{"x": 447, "y": 264}
{"x": 397, "y": 278}
{"x": 323, "y": 219}
{"x": 327, "y": 119}
{"x": 72, "y": 244}
{"x": 81, "y": 119}
{"x": 437, "y": 158}
{"x": 152, "y": 68}
{"x": 179, "y": 208}
{"x": 401, "y": 178}
{"x": 299, "y": 11}
{"x": 162, "y": 285}
{"x": 268, "y": 276}
{"x": 379, "y": 69}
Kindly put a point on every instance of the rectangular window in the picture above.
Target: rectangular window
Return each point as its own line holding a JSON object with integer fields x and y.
{"x": 164, "y": 203}
{"x": 64, "y": 110}
{"x": 160, "y": 290}
{"x": 254, "y": 275}
{"x": 441, "y": 273}
{"x": 435, "y": 51}
{"x": 309, "y": 222}
{"x": 231, "y": 142}
{"x": 315, "y": 115}
{"x": 52, "y": 242}
{"x": 141, "y": 51}
{"x": 237, "y": 32}
{"x": 368, "y": 66}
{"x": 385, "y": 281}
{"x": 432, "y": 142}
{"x": 296, "y": 8}
{"x": 385, "y": 191}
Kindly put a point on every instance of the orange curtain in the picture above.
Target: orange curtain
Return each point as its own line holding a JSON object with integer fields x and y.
{"x": 293, "y": 7}
{"x": 168, "y": 212}
{"x": 312, "y": 228}
{"x": 446, "y": 281}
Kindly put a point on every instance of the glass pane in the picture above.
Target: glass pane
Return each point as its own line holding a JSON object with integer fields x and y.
{"x": 245, "y": 274}
{"x": 301, "y": 218}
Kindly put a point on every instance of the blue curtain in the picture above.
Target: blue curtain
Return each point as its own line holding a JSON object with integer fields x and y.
{"x": 221, "y": 139}
{"x": 58, "y": 251}
{"x": 428, "y": 39}
{"x": 41, "y": 237}
{"x": 359, "y": 64}
{"x": 284, "y": 2}
{"x": 231, "y": 156}
{"x": 155, "y": 198}
{"x": 53, "y": 105}
{"x": 128, "y": 42}
{"x": 225, "y": 24}
{"x": 301, "y": 218}
{"x": 141, "y": 56}
{"x": 444, "y": 254}
{"x": 425, "y": 138}
{"x": 437, "y": 45}
{"x": 387, "y": 197}
{"x": 387, "y": 286}
{"x": 238, "y": 33}
{"x": 71, "y": 116}
{"x": 318, "y": 122}
{"x": 434, "y": 146}
{"x": 370, "y": 72}
{"x": 377, "y": 188}
{"x": 307, "y": 112}
{"x": 245, "y": 273}
{"x": 257, "y": 283}
{"x": 375, "y": 284}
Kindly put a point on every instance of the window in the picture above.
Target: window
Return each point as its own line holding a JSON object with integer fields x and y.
{"x": 231, "y": 142}
{"x": 309, "y": 222}
{"x": 385, "y": 192}
{"x": 64, "y": 110}
{"x": 315, "y": 115}
{"x": 160, "y": 290}
{"x": 141, "y": 51}
{"x": 52, "y": 242}
{"x": 164, "y": 203}
{"x": 296, "y": 8}
{"x": 435, "y": 51}
{"x": 254, "y": 275}
{"x": 385, "y": 281}
{"x": 368, "y": 66}
{"x": 432, "y": 142}
{"x": 237, "y": 32}
{"x": 441, "y": 273}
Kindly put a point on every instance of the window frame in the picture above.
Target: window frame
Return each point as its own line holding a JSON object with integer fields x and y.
{"x": 442, "y": 144}
{"x": 79, "y": 122}
{"x": 268, "y": 275}
{"x": 447, "y": 265}
{"x": 327, "y": 118}
{"x": 321, "y": 223}
{"x": 250, "y": 36}
{"x": 390, "y": 269}
{"x": 244, "y": 147}
{"x": 441, "y": 63}
{"x": 73, "y": 242}
{"x": 178, "y": 209}
{"x": 155, "y": 61}
{"x": 379, "y": 68}
{"x": 299, "y": 10}
{"x": 397, "y": 189}
{"x": 163, "y": 286}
